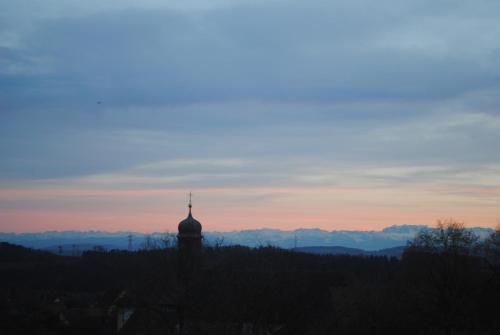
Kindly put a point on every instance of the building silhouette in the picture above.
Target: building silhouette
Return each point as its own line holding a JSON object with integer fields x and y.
{"x": 189, "y": 242}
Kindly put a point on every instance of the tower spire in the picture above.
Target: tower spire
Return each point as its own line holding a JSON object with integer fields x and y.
{"x": 190, "y": 205}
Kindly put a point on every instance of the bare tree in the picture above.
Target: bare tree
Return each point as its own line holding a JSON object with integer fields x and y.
{"x": 99, "y": 248}
{"x": 168, "y": 240}
{"x": 150, "y": 243}
{"x": 492, "y": 246}
{"x": 219, "y": 242}
{"x": 449, "y": 236}
{"x": 445, "y": 259}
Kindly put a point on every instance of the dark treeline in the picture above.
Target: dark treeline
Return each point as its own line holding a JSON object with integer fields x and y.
{"x": 447, "y": 282}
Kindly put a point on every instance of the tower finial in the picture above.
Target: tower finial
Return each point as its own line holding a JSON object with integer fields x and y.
{"x": 190, "y": 202}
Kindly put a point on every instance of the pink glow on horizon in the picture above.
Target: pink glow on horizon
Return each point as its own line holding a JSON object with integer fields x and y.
{"x": 149, "y": 222}
{"x": 236, "y": 208}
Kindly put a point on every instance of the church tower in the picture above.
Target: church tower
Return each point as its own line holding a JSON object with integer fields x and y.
{"x": 189, "y": 245}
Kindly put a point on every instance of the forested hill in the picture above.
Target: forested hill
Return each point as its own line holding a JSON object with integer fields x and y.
{"x": 15, "y": 253}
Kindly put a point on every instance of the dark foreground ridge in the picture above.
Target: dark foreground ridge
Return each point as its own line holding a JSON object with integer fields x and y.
{"x": 449, "y": 286}
{"x": 335, "y": 250}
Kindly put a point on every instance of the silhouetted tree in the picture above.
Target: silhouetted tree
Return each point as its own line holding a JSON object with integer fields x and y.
{"x": 168, "y": 240}
{"x": 443, "y": 262}
{"x": 492, "y": 246}
{"x": 449, "y": 236}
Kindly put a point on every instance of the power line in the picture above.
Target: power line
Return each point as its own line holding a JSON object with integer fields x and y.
{"x": 129, "y": 242}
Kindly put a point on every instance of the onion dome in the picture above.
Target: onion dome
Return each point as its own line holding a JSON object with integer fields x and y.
{"x": 190, "y": 226}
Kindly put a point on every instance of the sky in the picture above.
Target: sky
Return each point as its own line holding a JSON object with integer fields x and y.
{"x": 276, "y": 114}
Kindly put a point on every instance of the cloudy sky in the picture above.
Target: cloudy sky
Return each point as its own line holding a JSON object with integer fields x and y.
{"x": 283, "y": 114}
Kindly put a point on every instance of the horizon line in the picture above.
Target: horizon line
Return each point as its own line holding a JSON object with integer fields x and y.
{"x": 227, "y": 231}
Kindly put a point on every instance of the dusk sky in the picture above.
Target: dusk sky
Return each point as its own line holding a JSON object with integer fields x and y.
{"x": 277, "y": 114}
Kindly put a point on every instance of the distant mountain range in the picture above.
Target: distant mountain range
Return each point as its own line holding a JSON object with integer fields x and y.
{"x": 68, "y": 242}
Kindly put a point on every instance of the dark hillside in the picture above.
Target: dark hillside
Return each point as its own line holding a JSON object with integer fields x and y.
{"x": 15, "y": 253}
{"x": 239, "y": 290}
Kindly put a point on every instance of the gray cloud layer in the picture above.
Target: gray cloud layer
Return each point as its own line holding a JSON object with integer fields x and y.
{"x": 362, "y": 83}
